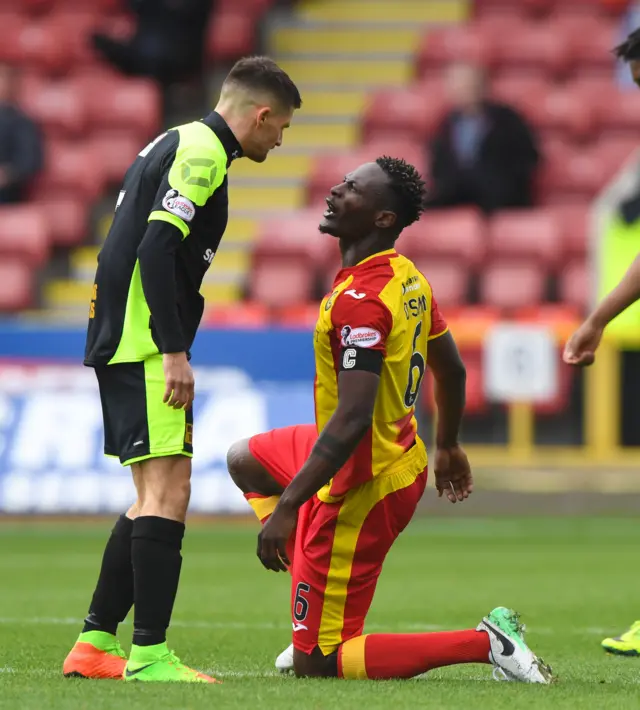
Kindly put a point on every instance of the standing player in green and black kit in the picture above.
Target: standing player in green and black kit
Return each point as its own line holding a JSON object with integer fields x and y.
{"x": 580, "y": 350}
{"x": 144, "y": 314}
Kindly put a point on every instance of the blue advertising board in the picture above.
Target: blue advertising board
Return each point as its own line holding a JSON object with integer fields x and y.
{"x": 51, "y": 434}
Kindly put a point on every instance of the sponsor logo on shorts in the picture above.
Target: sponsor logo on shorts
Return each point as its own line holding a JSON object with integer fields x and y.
{"x": 360, "y": 337}
{"x": 179, "y": 205}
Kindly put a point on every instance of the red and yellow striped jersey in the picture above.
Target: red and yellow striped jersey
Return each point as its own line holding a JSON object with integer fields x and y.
{"x": 382, "y": 303}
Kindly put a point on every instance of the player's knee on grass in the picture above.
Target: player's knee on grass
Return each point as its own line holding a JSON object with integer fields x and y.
{"x": 315, "y": 664}
{"x": 167, "y": 487}
{"x": 248, "y": 473}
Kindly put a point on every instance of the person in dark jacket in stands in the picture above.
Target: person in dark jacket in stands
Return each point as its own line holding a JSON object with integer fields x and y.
{"x": 483, "y": 152}
{"x": 167, "y": 44}
{"x": 20, "y": 143}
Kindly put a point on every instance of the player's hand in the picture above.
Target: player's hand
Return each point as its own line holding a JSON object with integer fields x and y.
{"x": 453, "y": 474}
{"x": 272, "y": 540}
{"x": 581, "y": 347}
{"x": 179, "y": 388}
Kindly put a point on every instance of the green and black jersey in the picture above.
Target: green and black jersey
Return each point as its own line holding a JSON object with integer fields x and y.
{"x": 170, "y": 217}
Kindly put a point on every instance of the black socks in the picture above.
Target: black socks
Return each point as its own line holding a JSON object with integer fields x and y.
{"x": 155, "y": 553}
{"x": 113, "y": 596}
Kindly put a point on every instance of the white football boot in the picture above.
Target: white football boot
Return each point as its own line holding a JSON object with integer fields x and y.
{"x": 284, "y": 662}
{"x": 511, "y": 657}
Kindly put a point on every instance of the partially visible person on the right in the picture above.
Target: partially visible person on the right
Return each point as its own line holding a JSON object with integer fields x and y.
{"x": 21, "y": 151}
{"x": 581, "y": 347}
{"x": 483, "y": 153}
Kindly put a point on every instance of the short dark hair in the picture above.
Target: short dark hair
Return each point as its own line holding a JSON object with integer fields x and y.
{"x": 408, "y": 189}
{"x": 630, "y": 48}
{"x": 263, "y": 74}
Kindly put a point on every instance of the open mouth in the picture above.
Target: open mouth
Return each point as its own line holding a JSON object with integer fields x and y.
{"x": 331, "y": 209}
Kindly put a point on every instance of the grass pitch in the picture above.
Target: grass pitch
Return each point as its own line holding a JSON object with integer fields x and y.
{"x": 573, "y": 580}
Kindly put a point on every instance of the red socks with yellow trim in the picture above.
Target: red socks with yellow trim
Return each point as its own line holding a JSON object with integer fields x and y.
{"x": 386, "y": 656}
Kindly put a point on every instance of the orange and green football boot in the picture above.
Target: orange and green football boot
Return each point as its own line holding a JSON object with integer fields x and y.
{"x": 157, "y": 664}
{"x": 96, "y": 654}
{"x": 627, "y": 644}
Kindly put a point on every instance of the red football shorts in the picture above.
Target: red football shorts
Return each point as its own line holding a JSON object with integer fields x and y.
{"x": 339, "y": 547}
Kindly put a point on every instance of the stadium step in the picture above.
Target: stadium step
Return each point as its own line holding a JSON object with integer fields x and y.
{"x": 356, "y": 73}
{"x": 266, "y": 197}
{"x": 279, "y": 165}
{"x": 344, "y": 41}
{"x": 383, "y": 11}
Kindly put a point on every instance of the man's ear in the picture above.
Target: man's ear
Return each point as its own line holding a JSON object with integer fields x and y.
{"x": 385, "y": 219}
{"x": 262, "y": 115}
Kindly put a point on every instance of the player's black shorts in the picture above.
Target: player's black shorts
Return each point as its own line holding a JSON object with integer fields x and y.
{"x": 138, "y": 425}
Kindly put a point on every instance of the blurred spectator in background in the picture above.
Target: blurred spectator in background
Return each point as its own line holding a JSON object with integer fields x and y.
{"x": 168, "y": 42}
{"x": 21, "y": 152}
{"x": 483, "y": 153}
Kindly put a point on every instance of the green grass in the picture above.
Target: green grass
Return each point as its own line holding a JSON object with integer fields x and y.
{"x": 572, "y": 580}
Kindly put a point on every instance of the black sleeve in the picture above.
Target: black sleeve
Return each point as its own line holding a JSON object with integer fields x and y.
{"x": 352, "y": 358}
{"x": 157, "y": 256}
{"x": 26, "y": 154}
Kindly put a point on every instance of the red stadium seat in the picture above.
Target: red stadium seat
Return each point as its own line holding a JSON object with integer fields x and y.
{"x": 532, "y": 234}
{"x": 413, "y": 111}
{"x": 459, "y": 233}
{"x": 534, "y": 46}
{"x": 67, "y": 217}
{"x": 577, "y": 175}
{"x": 512, "y": 284}
{"x": 515, "y": 87}
{"x": 16, "y": 285}
{"x": 590, "y": 43}
{"x": 231, "y": 34}
{"x": 24, "y": 233}
{"x": 453, "y": 44}
{"x": 57, "y": 105}
{"x": 122, "y": 104}
{"x": 295, "y": 235}
{"x": 449, "y": 280}
{"x": 116, "y": 152}
{"x": 71, "y": 166}
{"x": 238, "y": 315}
{"x": 575, "y": 289}
{"x": 35, "y": 45}
{"x": 303, "y": 315}
{"x": 280, "y": 283}
{"x": 617, "y": 110}
{"x": 572, "y": 219}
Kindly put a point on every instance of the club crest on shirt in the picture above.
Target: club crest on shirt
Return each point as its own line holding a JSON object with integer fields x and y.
{"x": 359, "y": 337}
{"x": 179, "y": 205}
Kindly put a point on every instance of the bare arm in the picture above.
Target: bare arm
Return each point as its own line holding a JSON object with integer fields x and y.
{"x": 582, "y": 345}
{"x": 450, "y": 380}
{"x": 452, "y": 471}
{"x": 340, "y": 437}
{"x": 625, "y": 294}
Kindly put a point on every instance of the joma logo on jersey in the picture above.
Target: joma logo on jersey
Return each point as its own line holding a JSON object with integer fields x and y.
{"x": 208, "y": 255}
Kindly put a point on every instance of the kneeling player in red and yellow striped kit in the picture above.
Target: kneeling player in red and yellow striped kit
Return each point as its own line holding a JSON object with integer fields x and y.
{"x": 334, "y": 496}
